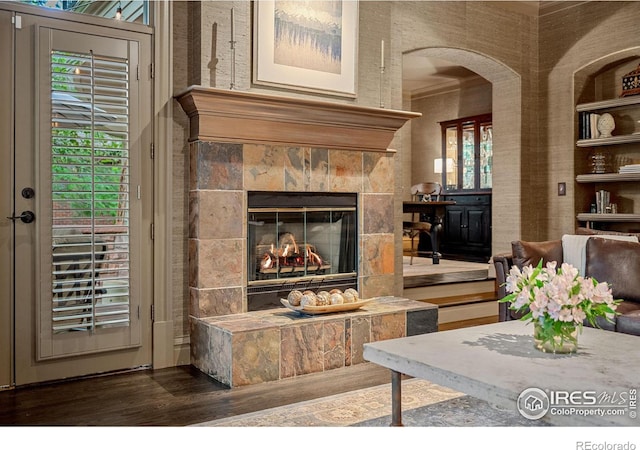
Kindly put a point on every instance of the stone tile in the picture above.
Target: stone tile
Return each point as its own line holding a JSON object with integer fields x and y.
{"x": 388, "y": 326}
{"x": 216, "y": 166}
{"x": 221, "y": 356}
{"x": 422, "y": 321}
{"x": 348, "y": 342}
{"x": 345, "y": 171}
{"x": 377, "y": 285}
{"x": 256, "y": 356}
{"x": 333, "y": 335}
{"x": 194, "y": 213}
{"x": 360, "y": 335}
{"x": 264, "y": 167}
{"x": 215, "y": 302}
{"x": 199, "y": 343}
{"x": 222, "y": 263}
{"x": 294, "y": 169}
{"x": 211, "y": 351}
{"x": 318, "y": 170}
{"x": 301, "y": 350}
{"x": 378, "y": 172}
{"x": 193, "y": 262}
{"x": 216, "y": 214}
{"x": 377, "y": 212}
{"x": 377, "y": 254}
{"x": 238, "y": 326}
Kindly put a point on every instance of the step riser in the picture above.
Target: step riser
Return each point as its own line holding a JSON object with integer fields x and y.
{"x": 424, "y": 293}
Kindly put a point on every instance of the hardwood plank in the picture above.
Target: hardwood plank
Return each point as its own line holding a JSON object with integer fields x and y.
{"x": 174, "y": 396}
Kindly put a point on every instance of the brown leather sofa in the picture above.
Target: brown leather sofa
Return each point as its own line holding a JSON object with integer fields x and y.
{"x": 616, "y": 262}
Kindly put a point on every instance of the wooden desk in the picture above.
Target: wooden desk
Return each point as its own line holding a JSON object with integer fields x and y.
{"x": 497, "y": 363}
{"x": 435, "y": 210}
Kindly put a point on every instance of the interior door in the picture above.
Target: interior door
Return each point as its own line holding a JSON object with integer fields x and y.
{"x": 82, "y": 250}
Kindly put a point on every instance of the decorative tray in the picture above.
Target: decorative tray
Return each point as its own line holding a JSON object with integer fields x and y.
{"x": 325, "y": 309}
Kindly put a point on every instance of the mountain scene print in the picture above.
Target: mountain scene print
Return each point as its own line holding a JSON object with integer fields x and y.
{"x": 308, "y": 35}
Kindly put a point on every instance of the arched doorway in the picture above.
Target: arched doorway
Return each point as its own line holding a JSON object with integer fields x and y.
{"x": 506, "y": 100}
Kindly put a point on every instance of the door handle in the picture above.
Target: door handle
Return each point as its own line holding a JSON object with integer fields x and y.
{"x": 26, "y": 217}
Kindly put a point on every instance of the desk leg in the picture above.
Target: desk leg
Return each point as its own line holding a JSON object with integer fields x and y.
{"x": 396, "y": 399}
{"x": 435, "y": 230}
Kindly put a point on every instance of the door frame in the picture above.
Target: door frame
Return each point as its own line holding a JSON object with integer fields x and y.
{"x": 6, "y": 206}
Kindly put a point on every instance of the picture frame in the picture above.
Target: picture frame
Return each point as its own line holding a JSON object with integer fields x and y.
{"x": 307, "y": 46}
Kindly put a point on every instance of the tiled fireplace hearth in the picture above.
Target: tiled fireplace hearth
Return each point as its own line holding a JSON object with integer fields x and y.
{"x": 243, "y": 142}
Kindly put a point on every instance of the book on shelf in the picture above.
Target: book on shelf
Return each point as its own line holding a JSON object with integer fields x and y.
{"x": 629, "y": 168}
{"x": 588, "y": 125}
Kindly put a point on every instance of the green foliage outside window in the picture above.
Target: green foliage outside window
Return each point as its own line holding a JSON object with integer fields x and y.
{"x": 88, "y": 169}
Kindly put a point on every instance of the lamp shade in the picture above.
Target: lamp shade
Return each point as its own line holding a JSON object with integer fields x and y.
{"x": 437, "y": 165}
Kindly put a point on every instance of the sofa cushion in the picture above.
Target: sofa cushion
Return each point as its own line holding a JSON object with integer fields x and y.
{"x": 525, "y": 253}
{"x": 574, "y": 247}
{"x": 617, "y": 263}
{"x": 604, "y": 233}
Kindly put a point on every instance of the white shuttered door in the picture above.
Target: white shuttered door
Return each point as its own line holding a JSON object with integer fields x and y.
{"x": 90, "y": 181}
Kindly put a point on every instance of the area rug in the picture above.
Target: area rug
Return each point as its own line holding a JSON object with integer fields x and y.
{"x": 423, "y": 404}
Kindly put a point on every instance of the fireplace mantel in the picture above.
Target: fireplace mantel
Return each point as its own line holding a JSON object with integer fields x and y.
{"x": 248, "y": 117}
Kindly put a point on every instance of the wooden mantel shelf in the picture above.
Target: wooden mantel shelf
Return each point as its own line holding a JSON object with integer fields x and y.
{"x": 219, "y": 115}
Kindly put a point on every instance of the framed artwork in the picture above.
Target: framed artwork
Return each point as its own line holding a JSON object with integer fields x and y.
{"x": 306, "y": 45}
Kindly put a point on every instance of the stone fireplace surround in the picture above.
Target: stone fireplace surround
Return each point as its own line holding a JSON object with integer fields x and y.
{"x": 246, "y": 141}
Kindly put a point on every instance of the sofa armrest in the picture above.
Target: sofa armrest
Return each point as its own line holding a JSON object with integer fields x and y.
{"x": 502, "y": 264}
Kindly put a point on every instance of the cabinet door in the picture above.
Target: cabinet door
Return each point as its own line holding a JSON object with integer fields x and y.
{"x": 467, "y": 154}
{"x": 467, "y": 228}
{"x": 454, "y": 225}
{"x": 477, "y": 225}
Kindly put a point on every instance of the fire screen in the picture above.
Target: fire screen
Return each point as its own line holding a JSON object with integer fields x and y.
{"x": 299, "y": 241}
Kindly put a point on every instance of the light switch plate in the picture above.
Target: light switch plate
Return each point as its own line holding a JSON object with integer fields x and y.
{"x": 562, "y": 188}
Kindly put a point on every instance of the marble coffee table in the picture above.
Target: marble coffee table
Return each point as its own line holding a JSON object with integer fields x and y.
{"x": 498, "y": 363}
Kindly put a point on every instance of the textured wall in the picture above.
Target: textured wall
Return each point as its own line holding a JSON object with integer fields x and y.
{"x": 180, "y": 186}
{"x": 570, "y": 40}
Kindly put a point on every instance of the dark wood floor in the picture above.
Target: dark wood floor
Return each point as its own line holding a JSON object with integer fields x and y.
{"x": 168, "y": 397}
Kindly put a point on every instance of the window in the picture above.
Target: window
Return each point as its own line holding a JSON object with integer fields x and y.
{"x": 130, "y": 11}
{"x": 467, "y": 154}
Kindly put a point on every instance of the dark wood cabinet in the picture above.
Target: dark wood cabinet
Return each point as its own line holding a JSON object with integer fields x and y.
{"x": 466, "y": 171}
{"x": 467, "y": 228}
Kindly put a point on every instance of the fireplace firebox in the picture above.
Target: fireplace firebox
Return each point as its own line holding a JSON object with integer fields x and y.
{"x": 299, "y": 241}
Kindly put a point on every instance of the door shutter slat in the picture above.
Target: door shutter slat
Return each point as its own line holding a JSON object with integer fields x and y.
{"x": 90, "y": 192}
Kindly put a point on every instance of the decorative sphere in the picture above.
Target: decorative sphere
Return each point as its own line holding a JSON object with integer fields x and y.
{"x": 294, "y": 298}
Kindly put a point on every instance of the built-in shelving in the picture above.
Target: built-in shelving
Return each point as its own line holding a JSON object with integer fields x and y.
{"x": 613, "y": 140}
{"x": 609, "y": 104}
{"x": 627, "y": 107}
{"x": 607, "y": 177}
{"x": 591, "y": 217}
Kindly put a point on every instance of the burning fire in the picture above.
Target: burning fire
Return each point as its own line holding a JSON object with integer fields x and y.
{"x": 288, "y": 254}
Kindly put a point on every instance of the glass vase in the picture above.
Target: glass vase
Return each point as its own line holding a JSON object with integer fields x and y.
{"x": 565, "y": 341}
